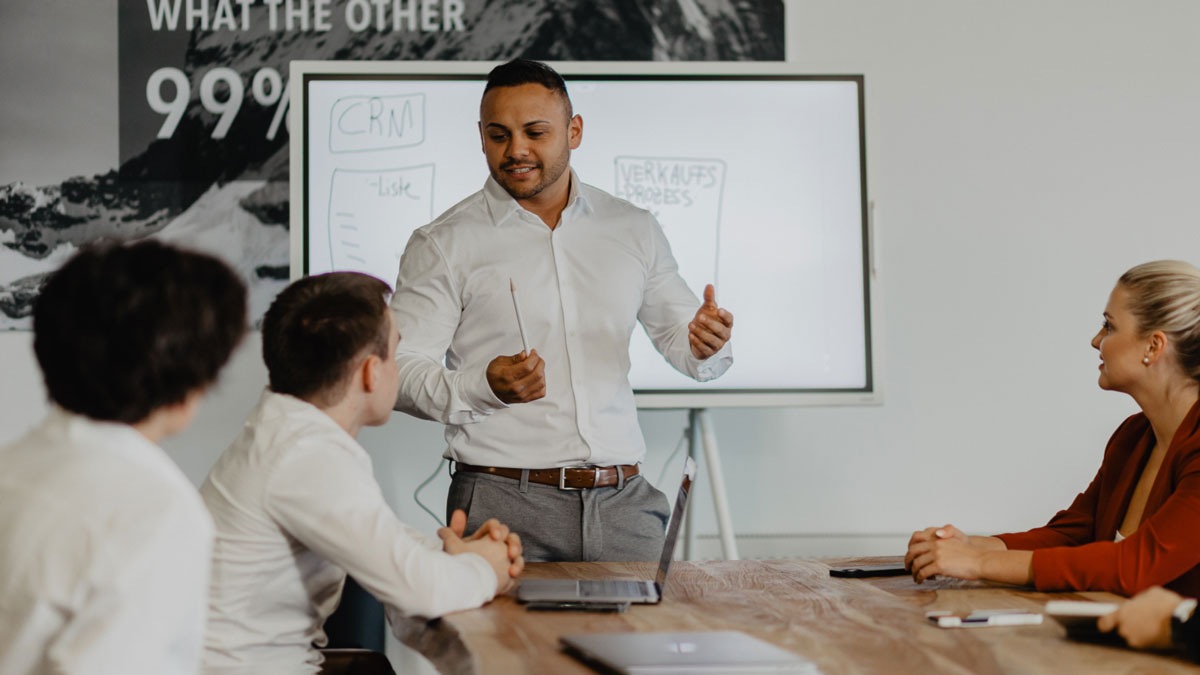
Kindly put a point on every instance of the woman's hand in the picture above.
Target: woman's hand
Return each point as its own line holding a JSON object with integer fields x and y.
{"x": 948, "y": 551}
{"x": 952, "y": 556}
{"x": 929, "y": 534}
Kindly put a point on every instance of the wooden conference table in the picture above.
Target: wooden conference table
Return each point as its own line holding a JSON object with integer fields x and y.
{"x": 844, "y": 625}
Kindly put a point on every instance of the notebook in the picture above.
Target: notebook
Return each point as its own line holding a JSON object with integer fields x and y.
{"x": 617, "y": 590}
{"x": 684, "y": 653}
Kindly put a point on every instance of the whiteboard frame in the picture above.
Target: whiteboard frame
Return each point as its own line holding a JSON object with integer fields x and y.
{"x": 872, "y": 394}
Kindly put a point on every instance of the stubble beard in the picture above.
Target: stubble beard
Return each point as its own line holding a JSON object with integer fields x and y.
{"x": 548, "y": 178}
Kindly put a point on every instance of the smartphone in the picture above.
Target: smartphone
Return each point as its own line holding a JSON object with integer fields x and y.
{"x": 569, "y": 606}
{"x": 859, "y": 571}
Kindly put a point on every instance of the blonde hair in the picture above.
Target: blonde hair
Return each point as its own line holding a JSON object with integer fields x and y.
{"x": 1165, "y": 295}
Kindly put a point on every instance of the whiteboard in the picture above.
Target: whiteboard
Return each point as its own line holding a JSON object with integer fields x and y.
{"x": 756, "y": 173}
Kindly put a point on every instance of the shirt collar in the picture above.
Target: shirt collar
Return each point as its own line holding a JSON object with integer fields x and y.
{"x": 288, "y": 404}
{"x": 502, "y": 206}
{"x": 74, "y": 423}
{"x": 115, "y": 437}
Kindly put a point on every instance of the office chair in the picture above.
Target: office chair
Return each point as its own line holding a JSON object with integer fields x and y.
{"x": 355, "y": 662}
{"x": 356, "y": 635}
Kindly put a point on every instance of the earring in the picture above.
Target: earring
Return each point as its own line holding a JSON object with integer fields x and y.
{"x": 1146, "y": 360}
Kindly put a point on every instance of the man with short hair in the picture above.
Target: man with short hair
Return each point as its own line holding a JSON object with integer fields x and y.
{"x": 547, "y": 441}
{"x": 104, "y": 543}
{"x": 296, "y": 504}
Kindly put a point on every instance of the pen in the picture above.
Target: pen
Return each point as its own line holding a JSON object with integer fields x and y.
{"x": 520, "y": 321}
{"x": 985, "y": 618}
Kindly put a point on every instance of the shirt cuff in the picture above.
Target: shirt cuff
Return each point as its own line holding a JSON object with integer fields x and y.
{"x": 1074, "y": 568}
{"x": 715, "y": 365}
{"x": 480, "y": 397}
{"x": 487, "y": 578}
{"x": 1185, "y": 609}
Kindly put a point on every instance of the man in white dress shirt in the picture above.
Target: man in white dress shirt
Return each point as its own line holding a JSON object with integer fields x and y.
{"x": 547, "y": 441}
{"x": 104, "y": 543}
{"x": 295, "y": 502}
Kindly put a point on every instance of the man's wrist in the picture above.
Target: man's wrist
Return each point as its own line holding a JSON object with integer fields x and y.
{"x": 483, "y": 398}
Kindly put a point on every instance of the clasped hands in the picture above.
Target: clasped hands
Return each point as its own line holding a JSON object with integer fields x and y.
{"x": 493, "y": 541}
{"x": 521, "y": 378}
{"x": 946, "y": 551}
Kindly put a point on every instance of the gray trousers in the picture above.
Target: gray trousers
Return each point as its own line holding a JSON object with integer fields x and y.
{"x": 624, "y": 523}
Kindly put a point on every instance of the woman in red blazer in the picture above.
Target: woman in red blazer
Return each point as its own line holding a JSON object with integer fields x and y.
{"x": 1138, "y": 524}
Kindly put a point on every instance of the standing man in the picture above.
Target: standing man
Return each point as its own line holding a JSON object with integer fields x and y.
{"x": 547, "y": 440}
{"x": 104, "y": 543}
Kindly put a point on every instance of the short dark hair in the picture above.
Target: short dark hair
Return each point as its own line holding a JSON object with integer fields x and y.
{"x": 316, "y": 328}
{"x": 526, "y": 71}
{"x": 123, "y": 330}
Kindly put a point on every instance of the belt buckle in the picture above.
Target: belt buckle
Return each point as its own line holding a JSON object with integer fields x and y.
{"x": 562, "y": 478}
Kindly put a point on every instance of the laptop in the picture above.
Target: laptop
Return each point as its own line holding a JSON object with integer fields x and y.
{"x": 684, "y": 653}
{"x": 609, "y": 591}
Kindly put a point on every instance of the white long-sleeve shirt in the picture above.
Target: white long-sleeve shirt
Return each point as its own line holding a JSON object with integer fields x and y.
{"x": 104, "y": 553}
{"x": 583, "y": 287}
{"x": 296, "y": 507}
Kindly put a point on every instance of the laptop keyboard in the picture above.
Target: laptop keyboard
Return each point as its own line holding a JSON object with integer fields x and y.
{"x": 597, "y": 588}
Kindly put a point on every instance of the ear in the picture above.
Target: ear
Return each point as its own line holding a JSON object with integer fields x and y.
{"x": 370, "y": 372}
{"x": 1156, "y": 345}
{"x": 575, "y": 132}
{"x": 482, "y": 145}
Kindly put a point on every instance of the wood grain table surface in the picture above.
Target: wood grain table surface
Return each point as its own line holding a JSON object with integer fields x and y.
{"x": 844, "y": 625}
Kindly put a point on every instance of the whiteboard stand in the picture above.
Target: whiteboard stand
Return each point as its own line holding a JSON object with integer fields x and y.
{"x": 700, "y": 433}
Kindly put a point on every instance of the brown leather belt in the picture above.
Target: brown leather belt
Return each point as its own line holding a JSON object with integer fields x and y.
{"x": 566, "y": 478}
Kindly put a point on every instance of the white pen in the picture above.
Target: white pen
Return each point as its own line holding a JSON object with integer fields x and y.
{"x": 520, "y": 320}
{"x": 993, "y": 617}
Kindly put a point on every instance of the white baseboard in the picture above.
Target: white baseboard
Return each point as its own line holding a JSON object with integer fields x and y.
{"x": 768, "y": 546}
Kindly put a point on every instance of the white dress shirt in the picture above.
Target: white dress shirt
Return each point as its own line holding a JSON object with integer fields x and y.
{"x": 296, "y": 507}
{"x": 583, "y": 287}
{"x": 104, "y": 553}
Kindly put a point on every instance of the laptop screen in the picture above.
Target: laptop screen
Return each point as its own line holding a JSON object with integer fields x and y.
{"x": 689, "y": 474}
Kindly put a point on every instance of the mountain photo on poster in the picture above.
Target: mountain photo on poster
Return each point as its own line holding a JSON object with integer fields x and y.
{"x": 202, "y": 122}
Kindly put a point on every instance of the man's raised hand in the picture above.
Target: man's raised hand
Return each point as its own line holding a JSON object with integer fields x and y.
{"x": 710, "y": 328}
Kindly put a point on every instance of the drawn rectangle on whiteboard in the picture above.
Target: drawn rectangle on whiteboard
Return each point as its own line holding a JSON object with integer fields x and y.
{"x": 367, "y": 123}
{"x": 369, "y": 212}
{"x": 685, "y": 196}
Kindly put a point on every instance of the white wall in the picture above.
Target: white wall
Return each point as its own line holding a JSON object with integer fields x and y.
{"x": 1022, "y": 154}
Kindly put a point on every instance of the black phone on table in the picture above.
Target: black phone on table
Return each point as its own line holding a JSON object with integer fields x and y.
{"x": 878, "y": 570}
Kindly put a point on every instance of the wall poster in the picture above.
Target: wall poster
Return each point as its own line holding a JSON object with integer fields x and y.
{"x": 202, "y": 95}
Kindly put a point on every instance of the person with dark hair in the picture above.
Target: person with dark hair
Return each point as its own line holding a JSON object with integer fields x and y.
{"x": 296, "y": 504}
{"x": 546, "y": 440}
{"x": 104, "y": 543}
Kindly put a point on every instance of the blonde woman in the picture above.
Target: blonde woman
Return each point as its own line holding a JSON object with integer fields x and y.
{"x": 1136, "y": 525}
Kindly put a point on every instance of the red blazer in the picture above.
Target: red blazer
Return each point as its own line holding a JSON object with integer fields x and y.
{"x": 1076, "y": 551}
